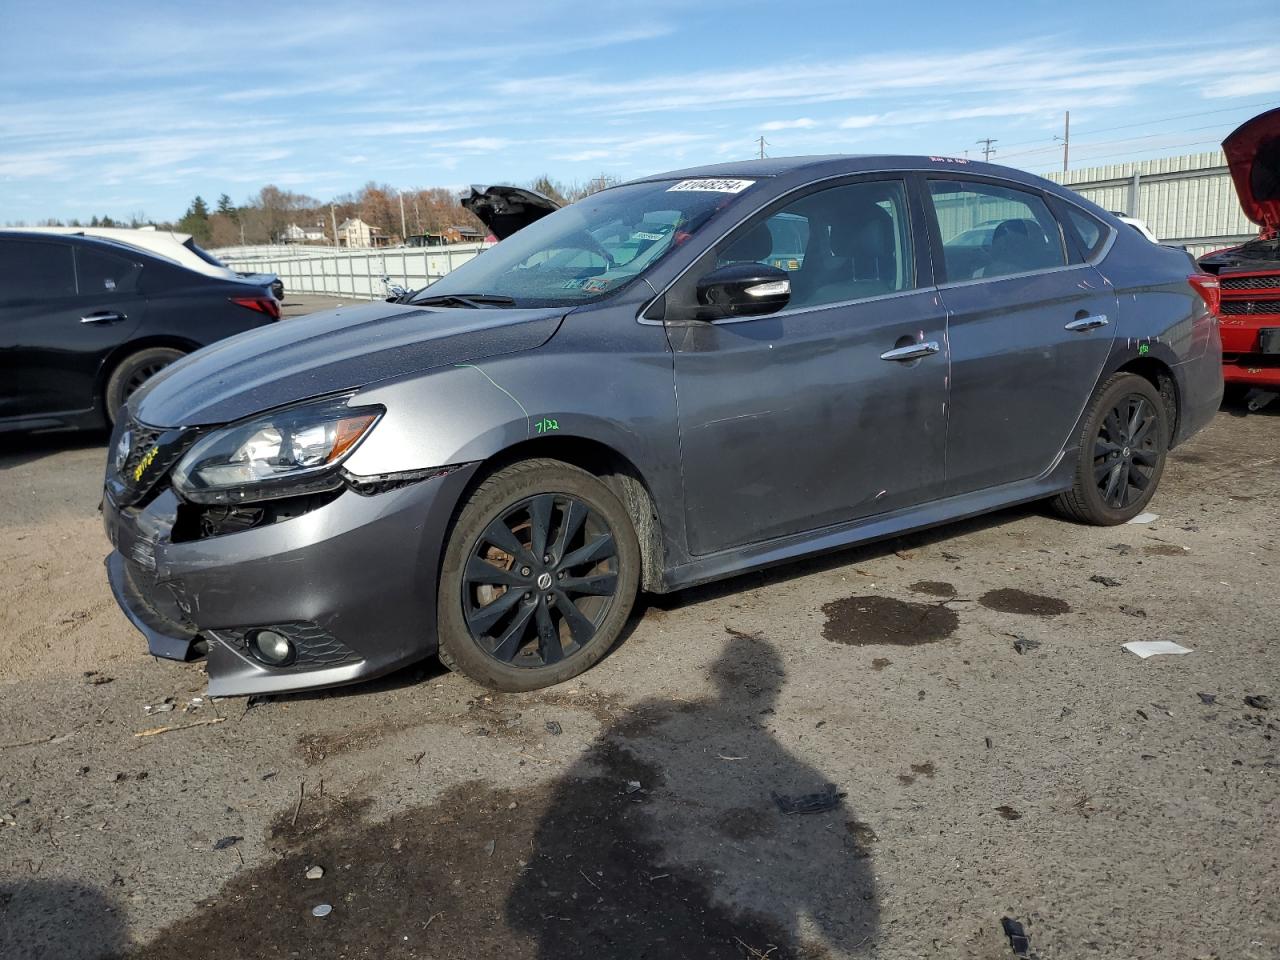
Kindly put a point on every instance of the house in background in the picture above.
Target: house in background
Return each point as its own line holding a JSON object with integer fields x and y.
{"x": 463, "y": 234}
{"x": 454, "y": 234}
{"x": 296, "y": 234}
{"x": 354, "y": 232}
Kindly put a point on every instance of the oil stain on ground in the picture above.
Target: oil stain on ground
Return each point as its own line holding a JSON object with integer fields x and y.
{"x": 862, "y": 621}
{"x": 1011, "y": 600}
{"x": 1164, "y": 550}
{"x": 926, "y": 769}
{"x": 934, "y": 588}
{"x": 616, "y": 858}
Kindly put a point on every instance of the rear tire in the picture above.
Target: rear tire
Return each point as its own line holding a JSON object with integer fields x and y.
{"x": 551, "y": 602}
{"x": 132, "y": 372}
{"x": 1122, "y": 451}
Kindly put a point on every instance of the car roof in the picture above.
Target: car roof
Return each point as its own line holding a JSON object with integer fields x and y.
{"x": 109, "y": 243}
{"x": 32, "y": 233}
{"x": 836, "y": 164}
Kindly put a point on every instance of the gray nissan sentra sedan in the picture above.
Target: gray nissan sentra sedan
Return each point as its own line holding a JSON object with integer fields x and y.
{"x": 671, "y": 381}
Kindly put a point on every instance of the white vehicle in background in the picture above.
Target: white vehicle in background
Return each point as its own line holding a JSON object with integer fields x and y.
{"x": 1137, "y": 224}
{"x": 181, "y": 248}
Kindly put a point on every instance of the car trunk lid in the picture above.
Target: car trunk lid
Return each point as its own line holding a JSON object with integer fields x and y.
{"x": 504, "y": 210}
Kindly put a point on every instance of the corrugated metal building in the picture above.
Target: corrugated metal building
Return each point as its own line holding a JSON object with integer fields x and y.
{"x": 1186, "y": 200}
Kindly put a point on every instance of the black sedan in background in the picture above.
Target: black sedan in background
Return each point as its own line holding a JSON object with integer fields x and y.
{"x": 84, "y": 322}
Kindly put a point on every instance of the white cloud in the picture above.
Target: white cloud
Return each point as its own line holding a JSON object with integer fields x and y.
{"x": 860, "y": 121}
{"x": 803, "y": 123}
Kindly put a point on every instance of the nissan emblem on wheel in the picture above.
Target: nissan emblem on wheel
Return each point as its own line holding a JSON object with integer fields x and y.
{"x": 669, "y": 382}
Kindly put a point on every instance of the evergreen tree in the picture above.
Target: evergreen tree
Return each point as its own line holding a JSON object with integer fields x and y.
{"x": 196, "y": 220}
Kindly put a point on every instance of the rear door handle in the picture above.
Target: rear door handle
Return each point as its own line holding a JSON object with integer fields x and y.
{"x": 1088, "y": 323}
{"x": 104, "y": 317}
{"x": 913, "y": 351}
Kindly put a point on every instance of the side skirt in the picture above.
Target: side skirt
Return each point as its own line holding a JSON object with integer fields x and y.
{"x": 756, "y": 556}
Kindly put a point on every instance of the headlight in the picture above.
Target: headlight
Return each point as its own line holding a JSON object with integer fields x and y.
{"x": 282, "y": 454}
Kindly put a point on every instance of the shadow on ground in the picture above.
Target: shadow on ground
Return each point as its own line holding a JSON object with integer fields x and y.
{"x": 51, "y": 919}
{"x": 663, "y": 840}
{"x": 17, "y": 449}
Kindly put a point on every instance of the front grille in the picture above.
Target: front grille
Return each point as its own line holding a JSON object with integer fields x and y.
{"x": 1250, "y": 283}
{"x": 152, "y": 453}
{"x": 143, "y": 439}
{"x": 1249, "y": 308}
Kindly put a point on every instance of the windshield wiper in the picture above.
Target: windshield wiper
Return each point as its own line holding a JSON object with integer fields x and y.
{"x": 473, "y": 300}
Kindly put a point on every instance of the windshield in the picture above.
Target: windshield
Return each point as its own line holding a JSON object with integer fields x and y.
{"x": 590, "y": 249}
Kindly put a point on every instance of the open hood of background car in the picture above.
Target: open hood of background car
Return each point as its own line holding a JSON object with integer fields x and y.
{"x": 504, "y": 210}
{"x": 1253, "y": 154}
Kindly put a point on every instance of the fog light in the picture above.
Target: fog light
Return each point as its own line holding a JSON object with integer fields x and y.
{"x": 272, "y": 648}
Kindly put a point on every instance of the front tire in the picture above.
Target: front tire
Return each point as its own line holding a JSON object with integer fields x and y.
{"x": 539, "y": 576}
{"x": 132, "y": 372}
{"x": 1121, "y": 454}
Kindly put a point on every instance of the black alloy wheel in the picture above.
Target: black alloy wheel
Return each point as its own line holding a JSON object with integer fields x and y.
{"x": 540, "y": 581}
{"x": 132, "y": 372}
{"x": 1126, "y": 451}
{"x": 1122, "y": 448}
{"x": 539, "y": 574}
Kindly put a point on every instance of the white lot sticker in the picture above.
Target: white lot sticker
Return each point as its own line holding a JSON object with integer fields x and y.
{"x": 648, "y": 236}
{"x": 712, "y": 186}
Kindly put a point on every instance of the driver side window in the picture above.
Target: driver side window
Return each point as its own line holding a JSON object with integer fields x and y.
{"x": 843, "y": 243}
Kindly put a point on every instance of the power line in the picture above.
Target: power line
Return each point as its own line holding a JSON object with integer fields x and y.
{"x": 1144, "y": 123}
{"x": 763, "y": 143}
{"x": 987, "y": 148}
{"x": 1107, "y": 143}
{"x": 1131, "y": 153}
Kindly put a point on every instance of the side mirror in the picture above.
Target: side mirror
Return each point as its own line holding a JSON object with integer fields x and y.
{"x": 743, "y": 290}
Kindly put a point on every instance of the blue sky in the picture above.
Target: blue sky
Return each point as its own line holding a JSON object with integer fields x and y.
{"x": 126, "y": 107}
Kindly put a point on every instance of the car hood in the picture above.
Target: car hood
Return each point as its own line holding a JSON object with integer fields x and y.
{"x": 330, "y": 352}
{"x": 504, "y": 210}
{"x": 1253, "y": 154}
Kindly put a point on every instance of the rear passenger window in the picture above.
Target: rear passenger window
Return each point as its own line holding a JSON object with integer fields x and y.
{"x": 99, "y": 271}
{"x": 843, "y": 243}
{"x": 1091, "y": 233}
{"x": 993, "y": 231}
{"x": 35, "y": 271}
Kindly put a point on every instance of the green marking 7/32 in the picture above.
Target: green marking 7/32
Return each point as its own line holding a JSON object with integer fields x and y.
{"x": 546, "y": 425}
{"x": 1144, "y": 348}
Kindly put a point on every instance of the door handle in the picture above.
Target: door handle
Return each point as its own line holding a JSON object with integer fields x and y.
{"x": 912, "y": 351}
{"x": 1088, "y": 323}
{"x": 105, "y": 317}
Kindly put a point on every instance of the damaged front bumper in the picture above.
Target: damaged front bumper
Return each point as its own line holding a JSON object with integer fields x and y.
{"x": 351, "y": 583}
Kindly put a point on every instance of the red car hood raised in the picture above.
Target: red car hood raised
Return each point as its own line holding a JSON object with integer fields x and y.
{"x": 1253, "y": 154}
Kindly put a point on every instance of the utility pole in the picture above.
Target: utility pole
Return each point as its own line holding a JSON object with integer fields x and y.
{"x": 987, "y": 148}
{"x": 1066, "y": 141}
{"x": 403, "y": 229}
{"x": 333, "y": 216}
{"x": 763, "y": 143}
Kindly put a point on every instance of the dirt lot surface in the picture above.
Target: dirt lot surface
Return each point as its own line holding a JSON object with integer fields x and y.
{"x": 1116, "y": 807}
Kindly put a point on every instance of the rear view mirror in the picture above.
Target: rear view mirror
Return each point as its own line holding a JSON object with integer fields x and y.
{"x": 743, "y": 290}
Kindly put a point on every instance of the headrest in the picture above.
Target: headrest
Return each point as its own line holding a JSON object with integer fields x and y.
{"x": 865, "y": 231}
{"x": 1014, "y": 239}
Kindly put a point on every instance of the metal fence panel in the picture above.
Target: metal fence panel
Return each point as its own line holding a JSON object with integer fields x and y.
{"x": 349, "y": 273}
{"x": 1188, "y": 200}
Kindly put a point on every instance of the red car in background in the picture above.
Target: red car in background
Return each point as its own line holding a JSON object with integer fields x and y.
{"x": 1249, "y": 275}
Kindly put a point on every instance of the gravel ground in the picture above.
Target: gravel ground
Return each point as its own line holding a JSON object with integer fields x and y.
{"x": 1115, "y": 807}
